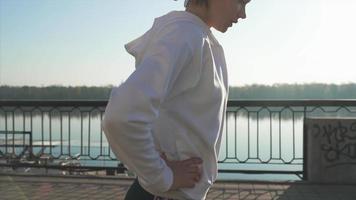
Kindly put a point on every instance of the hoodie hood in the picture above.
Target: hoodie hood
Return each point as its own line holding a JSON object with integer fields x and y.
{"x": 138, "y": 46}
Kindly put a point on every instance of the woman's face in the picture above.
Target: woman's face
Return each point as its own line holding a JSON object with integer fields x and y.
{"x": 224, "y": 13}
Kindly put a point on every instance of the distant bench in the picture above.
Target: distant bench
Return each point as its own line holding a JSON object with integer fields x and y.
{"x": 7, "y": 142}
{"x": 27, "y": 144}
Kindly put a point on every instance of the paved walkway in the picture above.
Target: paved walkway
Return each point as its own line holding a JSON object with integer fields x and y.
{"x": 66, "y": 188}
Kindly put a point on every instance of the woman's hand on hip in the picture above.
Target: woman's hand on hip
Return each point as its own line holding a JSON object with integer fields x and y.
{"x": 185, "y": 172}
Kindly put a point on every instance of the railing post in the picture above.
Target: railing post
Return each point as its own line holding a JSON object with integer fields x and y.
{"x": 305, "y": 142}
{"x": 31, "y": 146}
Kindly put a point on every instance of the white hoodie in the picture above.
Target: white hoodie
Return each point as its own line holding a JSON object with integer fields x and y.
{"x": 174, "y": 102}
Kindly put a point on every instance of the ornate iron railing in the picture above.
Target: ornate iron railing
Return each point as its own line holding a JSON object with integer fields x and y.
{"x": 262, "y": 136}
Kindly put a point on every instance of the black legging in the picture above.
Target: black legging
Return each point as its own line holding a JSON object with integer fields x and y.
{"x": 136, "y": 192}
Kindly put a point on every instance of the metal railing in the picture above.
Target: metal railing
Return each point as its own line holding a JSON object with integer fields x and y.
{"x": 263, "y": 136}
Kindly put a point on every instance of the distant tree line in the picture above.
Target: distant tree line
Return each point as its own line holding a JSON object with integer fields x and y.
{"x": 277, "y": 91}
{"x": 295, "y": 91}
{"x": 55, "y": 92}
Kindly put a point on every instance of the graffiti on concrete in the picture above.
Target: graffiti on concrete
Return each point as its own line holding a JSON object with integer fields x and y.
{"x": 338, "y": 142}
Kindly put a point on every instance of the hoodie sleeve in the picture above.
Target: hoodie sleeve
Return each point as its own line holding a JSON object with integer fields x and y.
{"x": 134, "y": 106}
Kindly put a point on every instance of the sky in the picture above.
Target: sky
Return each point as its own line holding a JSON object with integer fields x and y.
{"x": 81, "y": 42}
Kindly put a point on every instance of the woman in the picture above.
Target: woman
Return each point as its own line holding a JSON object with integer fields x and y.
{"x": 165, "y": 121}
